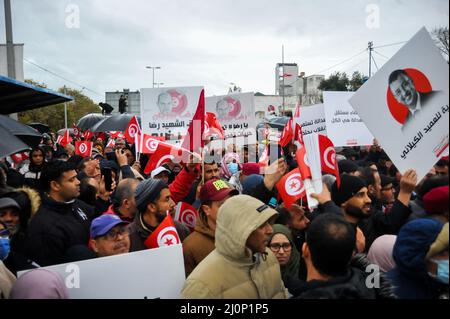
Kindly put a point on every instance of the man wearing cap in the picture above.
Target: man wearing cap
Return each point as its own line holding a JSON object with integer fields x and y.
{"x": 387, "y": 193}
{"x": 200, "y": 243}
{"x": 241, "y": 266}
{"x": 161, "y": 173}
{"x": 352, "y": 197}
{"x": 153, "y": 202}
{"x": 109, "y": 236}
{"x": 436, "y": 203}
{"x": 9, "y": 213}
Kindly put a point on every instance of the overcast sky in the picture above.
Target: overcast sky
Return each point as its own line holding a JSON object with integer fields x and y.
{"x": 208, "y": 42}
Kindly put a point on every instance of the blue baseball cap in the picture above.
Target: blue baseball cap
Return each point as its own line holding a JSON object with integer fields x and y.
{"x": 103, "y": 224}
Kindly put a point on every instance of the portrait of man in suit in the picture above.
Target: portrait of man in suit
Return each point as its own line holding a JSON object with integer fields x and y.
{"x": 404, "y": 91}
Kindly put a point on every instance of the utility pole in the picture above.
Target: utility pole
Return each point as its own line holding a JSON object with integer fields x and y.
{"x": 65, "y": 108}
{"x": 370, "y": 48}
{"x": 153, "y": 68}
{"x": 9, "y": 41}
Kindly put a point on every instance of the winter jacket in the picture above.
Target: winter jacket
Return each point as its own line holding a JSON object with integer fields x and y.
{"x": 351, "y": 286}
{"x": 198, "y": 245}
{"x": 410, "y": 276}
{"x": 112, "y": 211}
{"x": 181, "y": 186}
{"x": 7, "y": 280}
{"x": 55, "y": 228}
{"x": 231, "y": 271}
{"x": 139, "y": 232}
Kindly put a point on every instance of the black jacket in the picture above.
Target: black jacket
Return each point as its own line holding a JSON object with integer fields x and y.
{"x": 351, "y": 286}
{"x": 55, "y": 228}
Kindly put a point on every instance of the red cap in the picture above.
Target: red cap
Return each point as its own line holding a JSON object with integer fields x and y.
{"x": 251, "y": 169}
{"x": 216, "y": 190}
{"x": 436, "y": 201}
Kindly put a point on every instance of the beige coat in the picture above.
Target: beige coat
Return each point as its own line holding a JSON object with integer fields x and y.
{"x": 231, "y": 271}
{"x": 7, "y": 280}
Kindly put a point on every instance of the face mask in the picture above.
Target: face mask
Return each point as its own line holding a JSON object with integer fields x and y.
{"x": 4, "y": 248}
{"x": 442, "y": 271}
{"x": 233, "y": 167}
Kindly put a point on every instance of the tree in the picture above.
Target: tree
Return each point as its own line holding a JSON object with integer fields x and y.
{"x": 336, "y": 82}
{"x": 440, "y": 36}
{"x": 357, "y": 81}
{"x": 53, "y": 115}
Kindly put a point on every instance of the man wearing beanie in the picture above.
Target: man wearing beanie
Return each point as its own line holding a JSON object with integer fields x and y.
{"x": 241, "y": 266}
{"x": 353, "y": 199}
{"x": 153, "y": 202}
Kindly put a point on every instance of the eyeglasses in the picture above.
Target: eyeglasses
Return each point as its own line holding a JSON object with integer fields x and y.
{"x": 276, "y": 247}
{"x": 4, "y": 233}
{"x": 114, "y": 234}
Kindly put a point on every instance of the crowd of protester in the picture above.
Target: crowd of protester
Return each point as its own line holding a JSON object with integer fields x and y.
{"x": 378, "y": 226}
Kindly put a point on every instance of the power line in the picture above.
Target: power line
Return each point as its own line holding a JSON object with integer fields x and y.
{"x": 382, "y": 55}
{"x": 375, "y": 62}
{"x": 389, "y": 45}
{"x": 342, "y": 62}
{"x": 61, "y": 77}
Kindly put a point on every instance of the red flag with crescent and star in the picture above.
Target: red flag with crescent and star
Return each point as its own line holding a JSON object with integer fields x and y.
{"x": 164, "y": 235}
{"x": 187, "y": 215}
{"x": 291, "y": 188}
{"x": 132, "y": 129}
{"x": 83, "y": 148}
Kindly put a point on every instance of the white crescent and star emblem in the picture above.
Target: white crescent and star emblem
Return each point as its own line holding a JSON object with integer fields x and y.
{"x": 329, "y": 157}
{"x": 168, "y": 237}
{"x": 132, "y": 130}
{"x": 294, "y": 185}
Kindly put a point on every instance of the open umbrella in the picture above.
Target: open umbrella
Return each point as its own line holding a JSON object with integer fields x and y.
{"x": 42, "y": 128}
{"x": 87, "y": 121}
{"x": 27, "y": 134}
{"x": 118, "y": 122}
{"x": 9, "y": 144}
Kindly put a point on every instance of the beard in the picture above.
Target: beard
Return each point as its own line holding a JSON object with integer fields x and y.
{"x": 160, "y": 217}
{"x": 357, "y": 212}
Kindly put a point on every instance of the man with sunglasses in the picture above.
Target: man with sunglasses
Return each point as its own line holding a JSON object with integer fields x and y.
{"x": 109, "y": 236}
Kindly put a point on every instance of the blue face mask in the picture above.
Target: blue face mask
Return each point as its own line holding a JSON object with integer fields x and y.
{"x": 4, "y": 248}
{"x": 233, "y": 167}
{"x": 442, "y": 271}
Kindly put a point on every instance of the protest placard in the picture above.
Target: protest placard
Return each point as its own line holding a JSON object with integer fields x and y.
{"x": 344, "y": 126}
{"x": 147, "y": 274}
{"x": 168, "y": 110}
{"x": 312, "y": 120}
{"x": 405, "y": 105}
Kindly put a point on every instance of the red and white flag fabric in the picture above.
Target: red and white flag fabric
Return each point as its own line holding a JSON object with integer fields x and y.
{"x": 298, "y": 135}
{"x": 264, "y": 158}
{"x": 83, "y": 148}
{"x": 149, "y": 144}
{"x": 132, "y": 129}
{"x": 328, "y": 157}
{"x": 65, "y": 139}
{"x": 19, "y": 157}
{"x": 213, "y": 126}
{"x": 287, "y": 135}
{"x": 303, "y": 164}
{"x": 76, "y": 131}
{"x": 187, "y": 215}
{"x": 164, "y": 235}
{"x": 87, "y": 135}
{"x": 164, "y": 153}
{"x": 291, "y": 188}
{"x": 297, "y": 110}
{"x": 115, "y": 134}
{"x": 111, "y": 143}
{"x": 193, "y": 141}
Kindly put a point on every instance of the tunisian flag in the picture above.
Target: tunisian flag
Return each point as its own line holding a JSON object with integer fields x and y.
{"x": 213, "y": 126}
{"x": 303, "y": 164}
{"x": 88, "y": 135}
{"x": 132, "y": 129}
{"x": 291, "y": 188}
{"x": 194, "y": 139}
{"x": 328, "y": 158}
{"x": 187, "y": 215}
{"x": 164, "y": 235}
{"x": 65, "y": 139}
{"x": 164, "y": 153}
{"x": 287, "y": 135}
{"x": 83, "y": 148}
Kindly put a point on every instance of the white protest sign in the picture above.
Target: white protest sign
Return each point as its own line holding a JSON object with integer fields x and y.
{"x": 168, "y": 110}
{"x": 147, "y": 274}
{"x": 344, "y": 126}
{"x": 405, "y": 105}
{"x": 236, "y": 114}
{"x": 312, "y": 119}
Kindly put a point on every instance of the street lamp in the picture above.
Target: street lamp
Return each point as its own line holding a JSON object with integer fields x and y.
{"x": 159, "y": 84}
{"x": 153, "y": 68}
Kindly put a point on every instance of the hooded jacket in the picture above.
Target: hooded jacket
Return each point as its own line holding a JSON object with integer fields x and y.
{"x": 7, "y": 280}
{"x": 232, "y": 271}
{"x": 198, "y": 245}
{"x": 55, "y": 228}
{"x": 410, "y": 276}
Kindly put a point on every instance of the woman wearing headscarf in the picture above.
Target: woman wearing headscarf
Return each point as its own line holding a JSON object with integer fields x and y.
{"x": 282, "y": 245}
{"x": 380, "y": 253}
{"x": 39, "y": 284}
{"x": 230, "y": 165}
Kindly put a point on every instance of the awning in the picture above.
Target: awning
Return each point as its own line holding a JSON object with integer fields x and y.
{"x": 16, "y": 96}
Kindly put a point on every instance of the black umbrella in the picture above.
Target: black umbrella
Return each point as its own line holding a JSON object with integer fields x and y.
{"x": 42, "y": 128}
{"x": 27, "y": 134}
{"x": 88, "y": 121}
{"x": 9, "y": 144}
{"x": 118, "y": 122}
